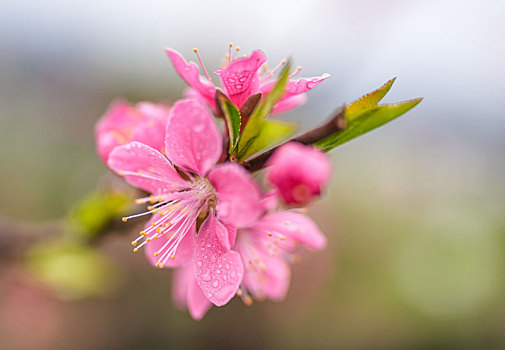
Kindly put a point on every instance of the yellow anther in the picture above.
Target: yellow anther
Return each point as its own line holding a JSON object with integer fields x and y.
{"x": 157, "y": 265}
{"x": 172, "y": 257}
{"x": 158, "y": 229}
{"x": 148, "y": 240}
{"x": 150, "y": 207}
{"x": 121, "y": 172}
{"x": 142, "y": 233}
{"x": 270, "y": 234}
{"x": 124, "y": 219}
{"x": 247, "y": 300}
{"x": 134, "y": 243}
{"x": 231, "y": 44}
{"x": 250, "y": 262}
{"x": 283, "y": 238}
{"x": 156, "y": 253}
{"x": 135, "y": 250}
{"x": 161, "y": 265}
{"x": 195, "y": 50}
{"x": 239, "y": 292}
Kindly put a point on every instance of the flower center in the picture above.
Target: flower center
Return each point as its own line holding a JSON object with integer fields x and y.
{"x": 174, "y": 215}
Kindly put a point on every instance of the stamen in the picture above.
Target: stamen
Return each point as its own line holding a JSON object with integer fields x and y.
{"x": 201, "y": 64}
{"x": 298, "y": 69}
{"x": 272, "y": 72}
{"x": 229, "y": 54}
{"x": 235, "y": 52}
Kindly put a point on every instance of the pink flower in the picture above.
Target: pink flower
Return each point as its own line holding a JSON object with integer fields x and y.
{"x": 298, "y": 172}
{"x": 267, "y": 249}
{"x": 241, "y": 78}
{"x": 122, "y": 123}
{"x": 188, "y": 189}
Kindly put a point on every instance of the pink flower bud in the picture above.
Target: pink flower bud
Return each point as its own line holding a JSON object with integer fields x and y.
{"x": 299, "y": 172}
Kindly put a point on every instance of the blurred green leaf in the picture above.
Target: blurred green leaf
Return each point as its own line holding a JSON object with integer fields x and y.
{"x": 366, "y": 121}
{"x": 250, "y": 141}
{"x": 72, "y": 271}
{"x": 367, "y": 101}
{"x": 92, "y": 215}
{"x": 232, "y": 118}
{"x": 272, "y": 131}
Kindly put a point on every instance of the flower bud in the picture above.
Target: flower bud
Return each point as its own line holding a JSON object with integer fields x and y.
{"x": 299, "y": 172}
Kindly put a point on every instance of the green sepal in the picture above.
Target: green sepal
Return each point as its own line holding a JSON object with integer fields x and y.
{"x": 232, "y": 118}
{"x": 251, "y": 140}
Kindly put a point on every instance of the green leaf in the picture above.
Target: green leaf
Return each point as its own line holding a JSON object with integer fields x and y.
{"x": 97, "y": 210}
{"x": 232, "y": 118}
{"x": 366, "y": 121}
{"x": 367, "y": 101}
{"x": 271, "y": 132}
{"x": 255, "y": 124}
{"x": 72, "y": 271}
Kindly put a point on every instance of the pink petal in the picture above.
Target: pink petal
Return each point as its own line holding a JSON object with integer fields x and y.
{"x": 241, "y": 77}
{"x": 197, "y": 302}
{"x": 181, "y": 279}
{"x": 124, "y": 123}
{"x": 296, "y": 227}
{"x": 218, "y": 271}
{"x": 191, "y": 75}
{"x": 144, "y": 167}
{"x": 299, "y": 172}
{"x": 192, "y": 93}
{"x": 193, "y": 141}
{"x": 290, "y": 103}
{"x": 295, "y": 87}
{"x": 270, "y": 200}
{"x": 185, "y": 249}
{"x": 265, "y": 275}
{"x": 238, "y": 196}
{"x": 108, "y": 130}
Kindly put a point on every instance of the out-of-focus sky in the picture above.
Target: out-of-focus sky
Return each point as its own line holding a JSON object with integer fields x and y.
{"x": 414, "y": 214}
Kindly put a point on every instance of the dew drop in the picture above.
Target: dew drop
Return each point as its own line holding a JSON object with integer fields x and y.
{"x": 206, "y": 277}
{"x": 215, "y": 283}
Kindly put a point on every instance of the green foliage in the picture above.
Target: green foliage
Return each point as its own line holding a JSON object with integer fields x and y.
{"x": 92, "y": 215}
{"x": 365, "y": 114}
{"x": 233, "y": 120}
{"x": 260, "y": 133}
{"x": 72, "y": 271}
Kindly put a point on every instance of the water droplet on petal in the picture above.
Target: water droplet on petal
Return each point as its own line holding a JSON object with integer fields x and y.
{"x": 215, "y": 283}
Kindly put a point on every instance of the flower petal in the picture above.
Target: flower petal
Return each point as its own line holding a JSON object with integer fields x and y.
{"x": 290, "y": 103}
{"x": 193, "y": 141}
{"x": 238, "y": 196}
{"x": 197, "y": 302}
{"x": 218, "y": 271}
{"x": 295, "y": 87}
{"x": 185, "y": 249}
{"x": 266, "y": 275}
{"x": 296, "y": 227}
{"x": 191, "y": 75}
{"x": 181, "y": 280}
{"x": 241, "y": 77}
{"x": 145, "y": 168}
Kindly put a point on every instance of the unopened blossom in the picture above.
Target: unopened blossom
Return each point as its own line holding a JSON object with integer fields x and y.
{"x": 242, "y": 77}
{"x": 298, "y": 172}
{"x": 268, "y": 249}
{"x": 123, "y": 123}
{"x": 188, "y": 189}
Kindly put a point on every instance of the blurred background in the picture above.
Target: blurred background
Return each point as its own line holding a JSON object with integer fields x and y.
{"x": 414, "y": 216}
